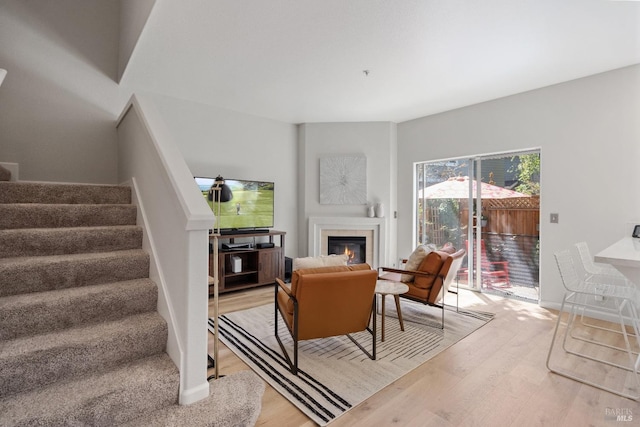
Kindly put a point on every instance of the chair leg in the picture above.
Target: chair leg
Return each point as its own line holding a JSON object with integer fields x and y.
{"x": 293, "y": 365}
{"x": 555, "y": 333}
{"x": 587, "y": 324}
{"x": 372, "y": 331}
{"x": 620, "y": 312}
{"x": 457, "y": 296}
{"x": 573, "y": 299}
{"x": 457, "y": 291}
{"x": 399, "y": 311}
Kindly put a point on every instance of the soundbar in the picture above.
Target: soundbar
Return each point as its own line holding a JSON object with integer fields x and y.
{"x": 231, "y": 246}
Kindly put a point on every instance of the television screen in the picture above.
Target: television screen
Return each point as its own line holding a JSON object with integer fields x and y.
{"x": 250, "y": 207}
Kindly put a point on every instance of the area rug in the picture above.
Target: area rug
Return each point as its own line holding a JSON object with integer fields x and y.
{"x": 334, "y": 375}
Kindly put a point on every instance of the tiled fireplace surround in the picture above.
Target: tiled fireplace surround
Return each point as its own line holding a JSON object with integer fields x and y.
{"x": 373, "y": 229}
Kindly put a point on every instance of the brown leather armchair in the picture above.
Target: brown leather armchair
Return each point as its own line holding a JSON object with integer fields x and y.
{"x": 325, "y": 302}
{"x": 431, "y": 280}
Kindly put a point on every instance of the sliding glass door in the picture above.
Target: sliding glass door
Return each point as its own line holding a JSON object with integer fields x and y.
{"x": 489, "y": 206}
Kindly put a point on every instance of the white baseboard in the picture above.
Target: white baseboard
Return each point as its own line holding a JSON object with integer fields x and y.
{"x": 589, "y": 313}
{"x": 187, "y": 397}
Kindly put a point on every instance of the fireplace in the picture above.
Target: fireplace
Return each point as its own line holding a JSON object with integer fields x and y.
{"x": 371, "y": 229}
{"x": 355, "y": 247}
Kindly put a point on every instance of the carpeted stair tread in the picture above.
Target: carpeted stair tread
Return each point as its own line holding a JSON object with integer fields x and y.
{"x": 41, "y": 192}
{"x": 35, "y": 361}
{"x": 58, "y": 241}
{"x": 99, "y": 399}
{"x": 242, "y": 390}
{"x": 36, "y": 215}
{"x": 81, "y": 340}
{"x": 36, "y": 274}
{"x": 74, "y": 306}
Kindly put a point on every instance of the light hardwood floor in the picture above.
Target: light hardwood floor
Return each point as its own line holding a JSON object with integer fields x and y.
{"x": 494, "y": 377}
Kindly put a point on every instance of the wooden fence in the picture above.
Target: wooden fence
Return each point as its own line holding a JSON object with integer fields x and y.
{"x": 511, "y": 233}
{"x": 519, "y": 216}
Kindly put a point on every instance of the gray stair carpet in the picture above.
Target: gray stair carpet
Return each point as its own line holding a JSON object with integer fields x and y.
{"x": 81, "y": 341}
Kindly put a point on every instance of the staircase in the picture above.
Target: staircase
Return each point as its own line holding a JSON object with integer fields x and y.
{"x": 81, "y": 342}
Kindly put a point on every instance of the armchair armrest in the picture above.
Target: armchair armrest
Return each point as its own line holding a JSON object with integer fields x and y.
{"x": 280, "y": 284}
{"x": 285, "y": 301}
{"x": 393, "y": 270}
{"x": 411, "y": 272}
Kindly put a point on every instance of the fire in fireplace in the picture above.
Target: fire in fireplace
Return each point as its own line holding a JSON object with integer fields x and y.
{"x": 355, "y": 247}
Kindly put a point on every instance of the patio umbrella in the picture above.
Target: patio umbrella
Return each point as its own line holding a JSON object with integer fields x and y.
{"x": 458, "y": 188}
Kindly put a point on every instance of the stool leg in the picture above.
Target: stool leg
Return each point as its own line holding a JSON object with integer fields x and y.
{"x": 397, "y": 298}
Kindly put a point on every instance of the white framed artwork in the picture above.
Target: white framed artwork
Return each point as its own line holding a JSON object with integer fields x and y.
{"x": 343, "y": 180}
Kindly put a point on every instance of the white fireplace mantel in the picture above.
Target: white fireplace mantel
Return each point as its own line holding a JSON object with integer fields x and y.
{"x": 377, "y": 225}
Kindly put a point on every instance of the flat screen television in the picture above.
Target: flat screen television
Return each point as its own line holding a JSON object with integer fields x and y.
{"x": 251, "y": 207}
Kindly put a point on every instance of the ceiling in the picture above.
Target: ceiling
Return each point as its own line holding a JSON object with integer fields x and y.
{"x": 302, "y": 61}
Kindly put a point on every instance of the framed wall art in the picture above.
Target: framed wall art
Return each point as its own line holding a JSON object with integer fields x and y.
{"x": 343, "y": 180}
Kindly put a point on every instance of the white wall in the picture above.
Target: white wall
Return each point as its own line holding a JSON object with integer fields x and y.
{"x": 59, "y": 101}
{"x": 215, "y": 142}
{"x": 133, "y": 17}
{"x": 377, "y": 141}
{"x": 589, "y": 135}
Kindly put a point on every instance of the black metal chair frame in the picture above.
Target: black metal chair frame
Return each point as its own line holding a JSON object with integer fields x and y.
{"x": 293, "y": 365}
{"x": 425, "y": 274}
{"x": 416, "y": 299}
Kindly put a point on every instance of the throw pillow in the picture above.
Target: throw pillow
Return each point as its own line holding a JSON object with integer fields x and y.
{"x": 319, "y": 261}
{"x": 415, "y": 259}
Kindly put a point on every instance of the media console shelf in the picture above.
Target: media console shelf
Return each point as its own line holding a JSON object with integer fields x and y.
{"x": 259, "y": 266}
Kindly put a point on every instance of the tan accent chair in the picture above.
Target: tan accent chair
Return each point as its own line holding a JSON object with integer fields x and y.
{"x": 431, "y": 280}
{"x": 325, "y": 302}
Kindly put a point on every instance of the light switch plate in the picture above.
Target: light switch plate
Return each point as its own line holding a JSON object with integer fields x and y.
{"x": 553, "y": 218}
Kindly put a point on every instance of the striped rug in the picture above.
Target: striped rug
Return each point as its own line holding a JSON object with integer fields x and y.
{"x": 334, "y": 374}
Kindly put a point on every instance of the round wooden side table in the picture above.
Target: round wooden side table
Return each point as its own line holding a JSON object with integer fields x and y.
{"x": 388, "y": 287}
